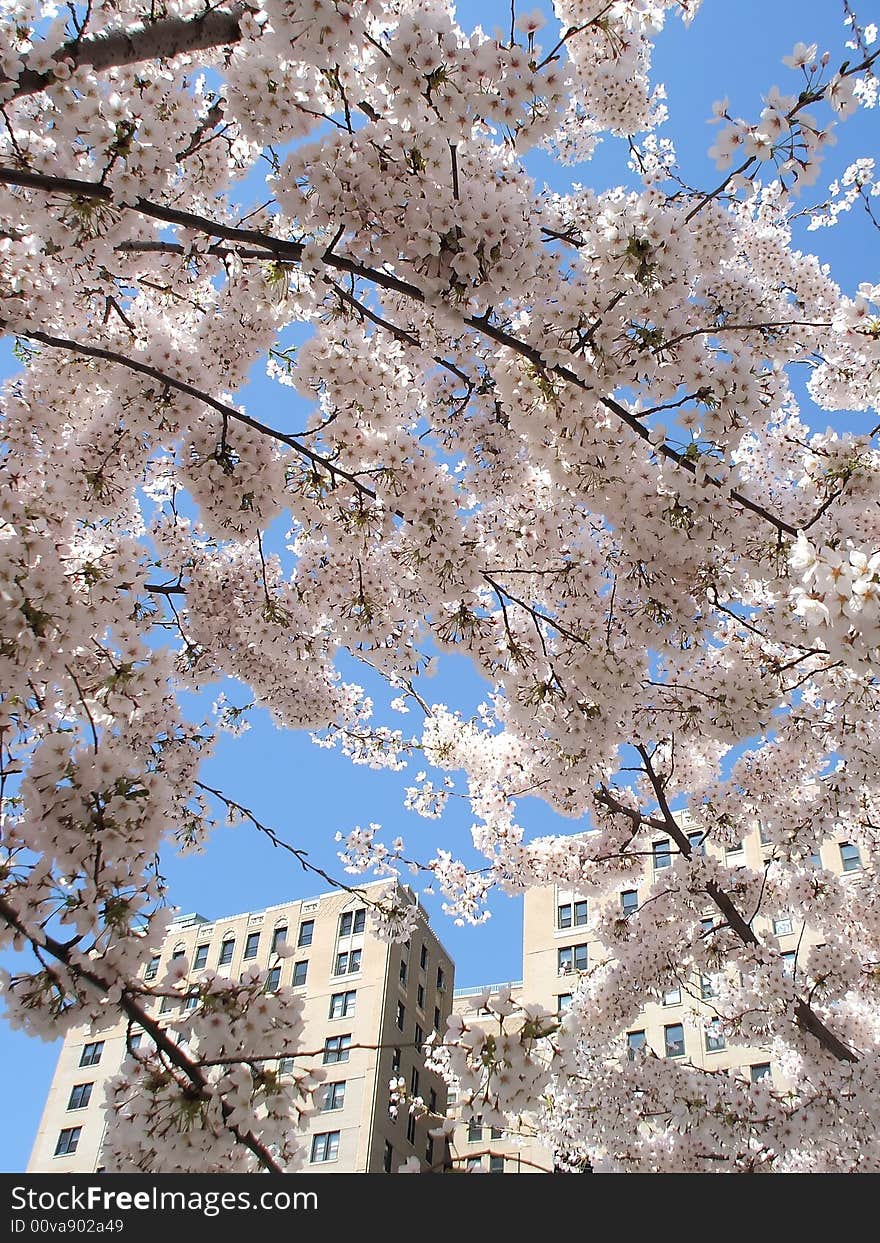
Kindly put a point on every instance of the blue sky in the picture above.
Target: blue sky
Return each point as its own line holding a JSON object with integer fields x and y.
{"x": 308, "y": 794}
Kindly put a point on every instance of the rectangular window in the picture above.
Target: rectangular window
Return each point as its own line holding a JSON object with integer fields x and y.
{"x": 227, "y": 949}
{"x": 674, "y": 1040}
{"x": 420, "y": 996}
{"x": 401, "y": 1016}
{"x": 306, "y": 932}
{"x": 191, "y": 1002}
{"x": 347, "y": 962}
{"x": 707, "y": 987}
{"x": 572, "y": 958}
{"x": 411, "y": 1128}
{"x": 441, "y": 980}
{"x": 581, "y": 914}
{"x": 336, "y": 1049}
{"x": 388, "y": 1161}
{"x": 672, "y": 997}
{"x": 850, "y": 859}
{"x": 414, "y": 1081}
{"x": 300, "y": 971}
{"x": 395, "y": 1062}
{"x": 695, "y": 841}
{"x": 429, "y": 1150}
{"x": 563, "y": 1002}
{"x": 474, "y": 1164}
{"x": 419, "y": 1038}
{"x": 789, "y": 962}
{"x": 332, "y": 1097}
{"x": 351, "y": 922}
{"x": 201, "y": 957}
{"x": 662, "y": 852}
{"x": 285, "y": 1066}
{"x": 733, "y": 852}
{"x": 273, "y": 980}
{"x": 437, "y": 1019}
{"x": 634, "y": 1042}
{"x": 764, "y": 836}
{"x": 325, "y": 1147}
{"x": 715, "y": 1041}
{"x": 629, "y": 902}
{"x": 91, "y": 1054}
{"x": 152, "y": 968}
{"x": 432, "y": 1101}
{"x": 403, "y": 972}
{"x": 252, "y": 944}
{"x": 814, "y": 859}
{"x": 783, "y": 927}
{"x": 707, "y": 926}
{"x": 496, "y": 1165}
{"x": 80, "y": 1096}
{"x": 475, "y": 1131}
{"x": 177, "y": 954}
{"x": 67, "y": 1141}
{"x": 342, "y": 1004}
{"x": 496, "y": 1132}
{"x": 423, "y": 957}
{"x": 759, "y": 1071}
{"x": 279, "y": 938}
{"x": 563, "y": 915}
{"x": 168, "y": 1004}
{"x": 135, "y": 1041}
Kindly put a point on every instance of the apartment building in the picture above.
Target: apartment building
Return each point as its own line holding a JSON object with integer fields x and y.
{"x": 357, "y": 990}
{"x": 560, "y": 943}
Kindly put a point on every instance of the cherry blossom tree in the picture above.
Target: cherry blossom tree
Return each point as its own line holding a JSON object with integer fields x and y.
{"x": 555, "y": 432}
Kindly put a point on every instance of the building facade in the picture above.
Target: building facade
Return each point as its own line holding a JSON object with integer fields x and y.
{"x": 560, "y": 945}
{"x": 357, "y": 990}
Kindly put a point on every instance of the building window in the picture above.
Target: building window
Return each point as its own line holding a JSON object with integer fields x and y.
{"x": 336, "y": 1048}
{"x": 572, "y": 915}
{"x": 351, "y": 922}
{"x": 152, "y": 968}
{"x": 674, "y": 1039}
{"x": 419, "y": 1038}
{"x": 715, "y": 1041}
{"x": 783, "y": 927}
{"x": 732, "y": 851}
{"x": 285, "y": 1066}
{"x": 201, "y": 957}
{"x": 332, "y": 1097}
{"x": 814, "y": 859}
{"x": 135, "y": 1041}
{"x": 342, "y": 1004}
{"x": 395, "y": 1062}
{"x": 227, "y": 949}
{"x": 420, "y": 996}
{"x": 707, "y": 987}
{"x": 672, "y": 997}
{"x": 411, "y": 1128}
{"x": 850, "y": 859}
{"x": 178, "y": 953}
{"x": 252, "y": 944}
{"x": 441, "y": 980}
{"x": 91, "y": 1054}
{"x": 764, "y": 837}
{"x": 401, "y": 1016}
{"x": 191, "y": 1002}
{"x": 563, "y": 1003}
{"x": 706, "y": 926}
{"x": 388, "y": 1161}
{"x": 80, "y": 1096}
{"x": 403, "y": 972}
{"x": 325, "y": 1147}
{"x": 347, "y": 962}
{"x": 432, "y": 1100}
{"x": 437, "y": 1020}
{"x": 695, "y": 841}
{"x": 634, "y": 1042}
{"x": 429, "y": 1150}
{"x": 423, "y": 957}
{"x": 474, "y": 1164}
{"x": 414, "y": 1081}
{"x": 279, "y": 938}
{"x": 67, "y": 1141}
{"x": 759, "y": 1071}
{"x": 306, "y": 932}
{"x": 273, "y": 980}
{"x": 571, "y": 958}
{"x": 475, "y": 1130}
{"x": 496, "y": 1165}
{"x": 789, "y": 962}
{"x": 168, "y": 1004}
{"x": 496, "y": 1132}
{"x": 662, "y": 852}
{"x": 300, "y": 971}
{"x": 629, "y": 902}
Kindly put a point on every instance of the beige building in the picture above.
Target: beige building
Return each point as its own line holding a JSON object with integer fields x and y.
{"x": 356, "y": 989}
{"x": 560, "y": 944}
